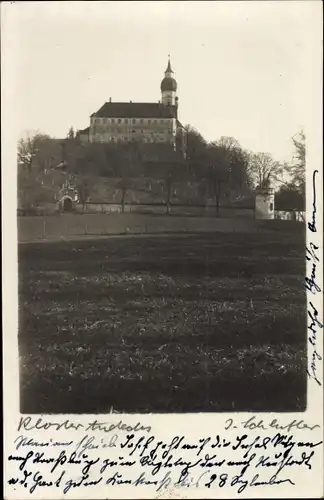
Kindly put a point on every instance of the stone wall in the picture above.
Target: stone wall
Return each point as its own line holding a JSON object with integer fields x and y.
{"x": 149, "y": 208}
{"x": 73, "y": 226}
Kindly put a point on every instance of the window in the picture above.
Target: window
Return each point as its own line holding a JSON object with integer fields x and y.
{"x": 126, "y": 120}
{"x": 271, "y": 207}
{"x": 119, "y": 120}
{"x": 142, "y": 132}
{"x": 155, "y": 121}
{"x": 133, "y": 131}
{"x": 141, "y": 121}
{"x": 112, "y": 120}
{"x": 125, "y": 138}
{"x": 134, "y": 120}
{"x": 149, "y": 121}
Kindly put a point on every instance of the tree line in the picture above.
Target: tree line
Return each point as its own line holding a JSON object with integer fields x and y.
{"x": 222, "y": 169}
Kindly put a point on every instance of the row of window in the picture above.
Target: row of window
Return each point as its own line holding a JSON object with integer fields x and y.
{"x": 133, "y": 120}
{"x": 125, "y": 138}
{"x": 119, "y": 130}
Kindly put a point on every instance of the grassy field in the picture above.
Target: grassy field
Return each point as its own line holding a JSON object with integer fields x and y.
{"x": 163, "y": 324}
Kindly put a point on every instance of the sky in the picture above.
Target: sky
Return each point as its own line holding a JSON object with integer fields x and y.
{"x": 243, "y": 69}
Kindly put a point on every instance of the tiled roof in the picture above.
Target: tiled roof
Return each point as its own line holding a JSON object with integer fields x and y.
{"x": 136, "y": 110}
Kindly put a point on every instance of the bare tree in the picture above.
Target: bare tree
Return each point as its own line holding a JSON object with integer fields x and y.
{"x": 28, "y": 189}
{"x": 264, "y": 169}
{"x": 228, "y": 143}
{"x": 215, "y": 172}
{"x": 291, "y": 194}
{"x": 71, "y": 133}
{"x": 196, "y": 147}
{"x": 29, "y": 147}
{"x": 239, "y": 177}
{"x": 298, "y": 170}
{"x": 168, "y": 183}
{"x": 36, "y": 153}
{"x": 85, "y": 185}
{"x": 172, "y": 173}
{"x": 124, "y": 184}
{"x": 129, "y": 164}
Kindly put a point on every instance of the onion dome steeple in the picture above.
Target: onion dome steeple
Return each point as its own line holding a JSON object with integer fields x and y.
{"x": 168, "y": 86}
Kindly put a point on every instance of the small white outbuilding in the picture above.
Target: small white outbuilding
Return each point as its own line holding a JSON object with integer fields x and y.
{"x": 264, "y": 203}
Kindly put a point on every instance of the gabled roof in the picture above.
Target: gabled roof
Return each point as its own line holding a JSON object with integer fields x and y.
{"x": 136, "y": 110}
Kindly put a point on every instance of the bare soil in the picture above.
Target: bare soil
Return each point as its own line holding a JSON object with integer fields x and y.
{"x": 209, "y": 322}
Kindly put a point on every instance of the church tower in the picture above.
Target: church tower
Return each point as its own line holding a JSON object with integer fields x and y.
{"x": 169, "y": 87}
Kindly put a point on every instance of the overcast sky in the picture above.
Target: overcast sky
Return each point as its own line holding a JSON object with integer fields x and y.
{"x": 243, "y": 68}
